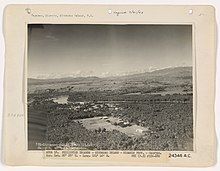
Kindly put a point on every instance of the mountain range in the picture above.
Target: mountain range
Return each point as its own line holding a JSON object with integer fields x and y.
{"x": 176, "y": 72}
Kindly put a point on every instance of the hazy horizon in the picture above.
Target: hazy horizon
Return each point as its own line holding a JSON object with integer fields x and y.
{"x": 118, "y": 75}
{"x": 57, "y": 51}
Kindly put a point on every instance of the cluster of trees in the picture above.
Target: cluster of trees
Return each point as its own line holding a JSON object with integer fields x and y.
{"x": 171, "y": 128}
{"x": 171, "y": 123}
{"x": 117, "y": 96}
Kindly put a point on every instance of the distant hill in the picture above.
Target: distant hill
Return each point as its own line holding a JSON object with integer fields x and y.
{"x": 164, "y": 74}
{"x": 169, "y": 79}
{"x": 175, "y": 72}
{"x": 60, "y": 80}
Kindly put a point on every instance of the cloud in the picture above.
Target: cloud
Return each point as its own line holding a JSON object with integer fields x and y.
{"x": 51, "y": 37}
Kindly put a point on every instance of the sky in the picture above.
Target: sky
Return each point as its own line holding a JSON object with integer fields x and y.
{"x": 61, "y": 50}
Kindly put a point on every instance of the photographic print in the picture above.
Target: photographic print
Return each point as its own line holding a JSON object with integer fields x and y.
{"x": 110, "y": 87}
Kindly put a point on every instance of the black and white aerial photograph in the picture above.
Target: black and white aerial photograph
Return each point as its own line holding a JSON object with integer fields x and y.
{"x": 110, "y": 87}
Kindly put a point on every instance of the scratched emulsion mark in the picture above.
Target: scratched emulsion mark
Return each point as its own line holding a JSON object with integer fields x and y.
{"x": 36, "y": 127}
